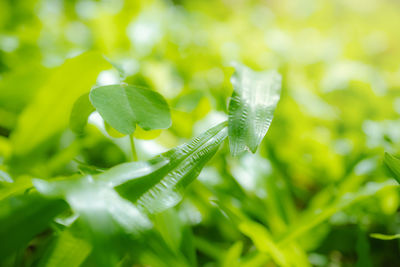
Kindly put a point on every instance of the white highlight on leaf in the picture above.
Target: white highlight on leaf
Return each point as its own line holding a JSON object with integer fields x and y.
{"x": 251, "y": 108}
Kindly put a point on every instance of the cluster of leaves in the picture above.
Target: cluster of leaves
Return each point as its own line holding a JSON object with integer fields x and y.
{"x": 118, "y": 203}
{"x": 316, "y": 192}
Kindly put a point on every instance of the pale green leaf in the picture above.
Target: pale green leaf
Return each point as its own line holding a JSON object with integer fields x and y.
{"x": 385, "y": 237}
{"x": 67, "y": 250}
{"x": 259, "y": 234}
{"x": 49, "y": 111}
{"x": 118, "y": 201}
{"x": 313, "y": 217}
{"x": 15, "y": 188}
{"x": 150, "y": 187}
{"x": 251, "y": 107}
{"x": 124, "y": 106}
{"x": 5, "y": 177}
{"x": 80, "y": 113}
{"x": 232, "y": 257}
{"x": 93, "y": 197}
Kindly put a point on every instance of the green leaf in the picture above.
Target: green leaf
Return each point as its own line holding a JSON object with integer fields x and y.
{"x": 385, "y": 237}
{"x": 80, "y": 113}
{"x": 177, "y": 236}
{"x": 66, "y": 250}
{"x": 49, "y": 112}
{"x": 15, "y": 188}
{"x": 23, "y": 217}
{"x": 232, "y": 257}
{"x": 163, "y": 188}
{"x": 150, "y": 187}
{"x": 118, "y": 201}
{"x": 259, "y": 234}
{"x": 251, "y": 107}
{"x": 124, "y": 106}
{"x": 394, "y": 165}
{"x": 93, "y": 197}
{"x": 315, "y": 216}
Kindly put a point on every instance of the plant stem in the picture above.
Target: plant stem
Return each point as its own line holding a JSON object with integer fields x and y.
{"x": 133, "y": 148}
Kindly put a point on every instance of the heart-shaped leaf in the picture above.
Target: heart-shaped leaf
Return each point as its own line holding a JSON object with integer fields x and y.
{"x": 252, "y": 106}
{"x": 124, "y": 106}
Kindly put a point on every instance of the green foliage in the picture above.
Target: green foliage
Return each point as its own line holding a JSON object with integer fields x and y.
{"x": 101, "y": 201}
{"x": 48, "y": 113}
{"x": 394, "y": 165}
{"x": 124, "y": 106}
{"x": 88, "y": 86}
{"x": 31, "y": 212}
{"x": 66, "y": 250}
{"x": 80, "y": 113}
{"x": 162, "y": 189}
{"x": 252, "y": 106}
{"x": 385, "y": 237}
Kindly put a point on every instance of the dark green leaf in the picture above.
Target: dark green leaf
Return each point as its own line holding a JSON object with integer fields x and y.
{"x": 252, "y": 106}
{"x": 23, "y": 217}
{"x": 124, "y": 106}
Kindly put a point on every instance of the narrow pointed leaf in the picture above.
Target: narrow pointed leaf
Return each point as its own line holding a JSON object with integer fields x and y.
{"x": 259, "y": 234}
{"x": 394, "y": 165}
{"x": 252, "y": 106}
{"x": 118, "y": 201}
{"x": 162, "y": 189}
{"x": 124, "y": 106}
{"x": 150, "y": 186}
{"x": 385, "y": 237}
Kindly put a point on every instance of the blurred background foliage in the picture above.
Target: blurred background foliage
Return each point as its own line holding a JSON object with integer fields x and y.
{"x": 313, "y": 192}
